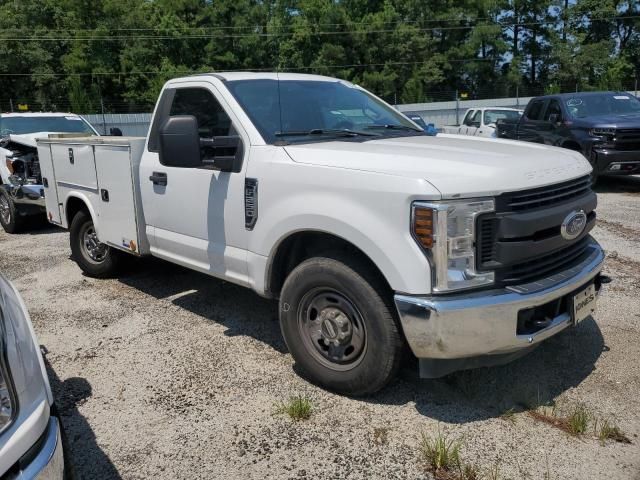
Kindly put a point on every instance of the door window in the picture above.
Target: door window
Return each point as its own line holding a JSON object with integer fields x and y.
{"x": 535, "y": 112}
{"x": 213, "y": 121}
{"x": 467, "y": 118}
{"x": 553, "y": 109}
{"x": 475, "y": 120}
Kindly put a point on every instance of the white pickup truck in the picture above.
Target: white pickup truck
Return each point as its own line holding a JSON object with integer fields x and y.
{"x": 481, "y": 122}
{"x": 372, "y": 234}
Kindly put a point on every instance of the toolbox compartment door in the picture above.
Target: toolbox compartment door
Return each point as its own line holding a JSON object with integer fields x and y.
{"x": 116, "y": 201}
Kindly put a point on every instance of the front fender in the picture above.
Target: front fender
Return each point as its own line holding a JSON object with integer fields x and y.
{"x": 382, "y": 232}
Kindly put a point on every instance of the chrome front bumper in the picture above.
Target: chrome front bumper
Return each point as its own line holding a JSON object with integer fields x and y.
{"x": 48, "y": 463}
{"x": 29, "y": 196}
{"x": 484, "y": 323}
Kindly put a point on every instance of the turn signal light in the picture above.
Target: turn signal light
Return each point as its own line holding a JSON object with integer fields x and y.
{"x": 423, "y": 226}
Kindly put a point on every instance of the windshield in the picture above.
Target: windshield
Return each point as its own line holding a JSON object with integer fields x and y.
{"x": 581, "y": 106}
{"x": 24, "y": 125}
{"x": 305, "y": 110}
{"x": 492, "y": 116}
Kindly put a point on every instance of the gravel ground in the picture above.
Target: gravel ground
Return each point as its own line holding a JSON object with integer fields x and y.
{"x": 166, "y": 373}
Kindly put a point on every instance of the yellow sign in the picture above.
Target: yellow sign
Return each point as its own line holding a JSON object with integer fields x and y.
{"x": 23, "y": 107}
{"x": 464, "y": 95}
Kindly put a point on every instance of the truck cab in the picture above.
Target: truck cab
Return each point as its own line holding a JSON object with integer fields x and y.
{"x": 371, "y": 235}
{"x": 481, "y": 122}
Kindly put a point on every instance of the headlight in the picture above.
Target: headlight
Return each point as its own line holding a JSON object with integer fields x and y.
{"x": 602, "y": 132}
{"x": 446, "y": 232}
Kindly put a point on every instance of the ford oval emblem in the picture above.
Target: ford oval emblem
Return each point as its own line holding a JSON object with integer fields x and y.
{"x": 573, "y": 225}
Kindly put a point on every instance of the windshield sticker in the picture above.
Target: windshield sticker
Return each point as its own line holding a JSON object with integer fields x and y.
{"x": 574, "y": 102}
{"x": 621, "y": 97}
{"x": 77, "y": 119}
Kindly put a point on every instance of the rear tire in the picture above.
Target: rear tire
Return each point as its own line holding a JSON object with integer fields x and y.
{"x": 340, "y": 326}
{"x": 10, "y": 220}
{"x": 95, "y": 259}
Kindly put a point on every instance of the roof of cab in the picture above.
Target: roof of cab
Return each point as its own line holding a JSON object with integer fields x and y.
{"x": 231, "y": 76}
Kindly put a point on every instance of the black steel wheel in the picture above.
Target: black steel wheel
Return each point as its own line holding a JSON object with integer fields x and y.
{"x": 339, "y": 323}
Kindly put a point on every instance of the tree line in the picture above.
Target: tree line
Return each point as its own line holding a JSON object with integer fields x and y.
{"x": 90, "y": 55}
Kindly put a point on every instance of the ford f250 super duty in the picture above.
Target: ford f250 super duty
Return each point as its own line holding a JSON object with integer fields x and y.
{"x": 603, "y": 126}
{"x": 372, "y": 234}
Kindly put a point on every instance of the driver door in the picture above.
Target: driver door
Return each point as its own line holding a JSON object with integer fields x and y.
{"x": 196, "y": 213}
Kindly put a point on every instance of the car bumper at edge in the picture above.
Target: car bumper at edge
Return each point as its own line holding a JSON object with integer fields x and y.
{"x": 48, "y": 462}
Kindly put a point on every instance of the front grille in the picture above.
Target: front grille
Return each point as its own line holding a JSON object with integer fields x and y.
{"x": 627, "y": 139}
{"x": 543, "y": 196}
{"x": 543, "y": 266}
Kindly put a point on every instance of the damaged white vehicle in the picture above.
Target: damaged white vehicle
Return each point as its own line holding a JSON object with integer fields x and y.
{"x": 21, "y": 189}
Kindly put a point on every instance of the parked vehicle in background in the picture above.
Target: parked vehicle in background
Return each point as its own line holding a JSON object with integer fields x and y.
{"x": 21, "y": 190}
{"x": 603, "y": 126}
{"x": 481, "y": 122}
{"x": 30, "y": 432}
{"x": 370, "y": 233}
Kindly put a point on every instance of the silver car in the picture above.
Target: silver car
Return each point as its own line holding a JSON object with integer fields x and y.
{"x": 30, "y": 434}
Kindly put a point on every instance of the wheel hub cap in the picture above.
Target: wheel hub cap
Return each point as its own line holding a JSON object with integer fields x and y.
{"x": 96, "y": 250}
{"x": 335, "y": 327}
{"x": 332, "y": 329}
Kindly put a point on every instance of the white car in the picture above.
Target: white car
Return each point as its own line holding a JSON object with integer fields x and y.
{"x": 481, "y": 122}
{"x": 371, "y": 233}
{"x": 21, "y": 190}
{"x": 30, "y": 432}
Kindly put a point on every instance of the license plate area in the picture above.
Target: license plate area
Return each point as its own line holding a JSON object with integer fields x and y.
{"x": 583, "y": 303}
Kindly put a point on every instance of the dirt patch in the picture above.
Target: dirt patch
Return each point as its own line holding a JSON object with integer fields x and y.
{"x": 619, "y": 229}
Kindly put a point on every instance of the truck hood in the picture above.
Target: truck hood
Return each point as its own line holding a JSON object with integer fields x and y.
{"x": 457, "y": 166}
{"x": 609, "y": 121}
{"x": 29, "y": 139}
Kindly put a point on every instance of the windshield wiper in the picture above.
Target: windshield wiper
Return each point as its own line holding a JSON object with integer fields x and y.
{"x": 343, "y": 132}
{"x": 392, "y": 127}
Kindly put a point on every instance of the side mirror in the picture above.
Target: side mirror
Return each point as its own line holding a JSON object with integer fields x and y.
{"x": 554, "y": 118}
{"x": 180, "y": 142}
{"x": 115, "y": 132}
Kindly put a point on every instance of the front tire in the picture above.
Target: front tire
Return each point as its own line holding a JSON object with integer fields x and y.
{"x": 10, "y": 219}
{"x": 339, "y": 324}
{"x": 94, "y": 258}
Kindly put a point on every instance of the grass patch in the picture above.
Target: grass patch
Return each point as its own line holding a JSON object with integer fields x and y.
{"x": 576, "y": 423}
{"x": 609, "y": 431}
{"x": 578, "y": 420}
{"x": 298, "y": 407}
{"x": 441, "y": 455}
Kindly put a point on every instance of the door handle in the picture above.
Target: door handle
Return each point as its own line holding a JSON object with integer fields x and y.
{"x": 159, "y": 178}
